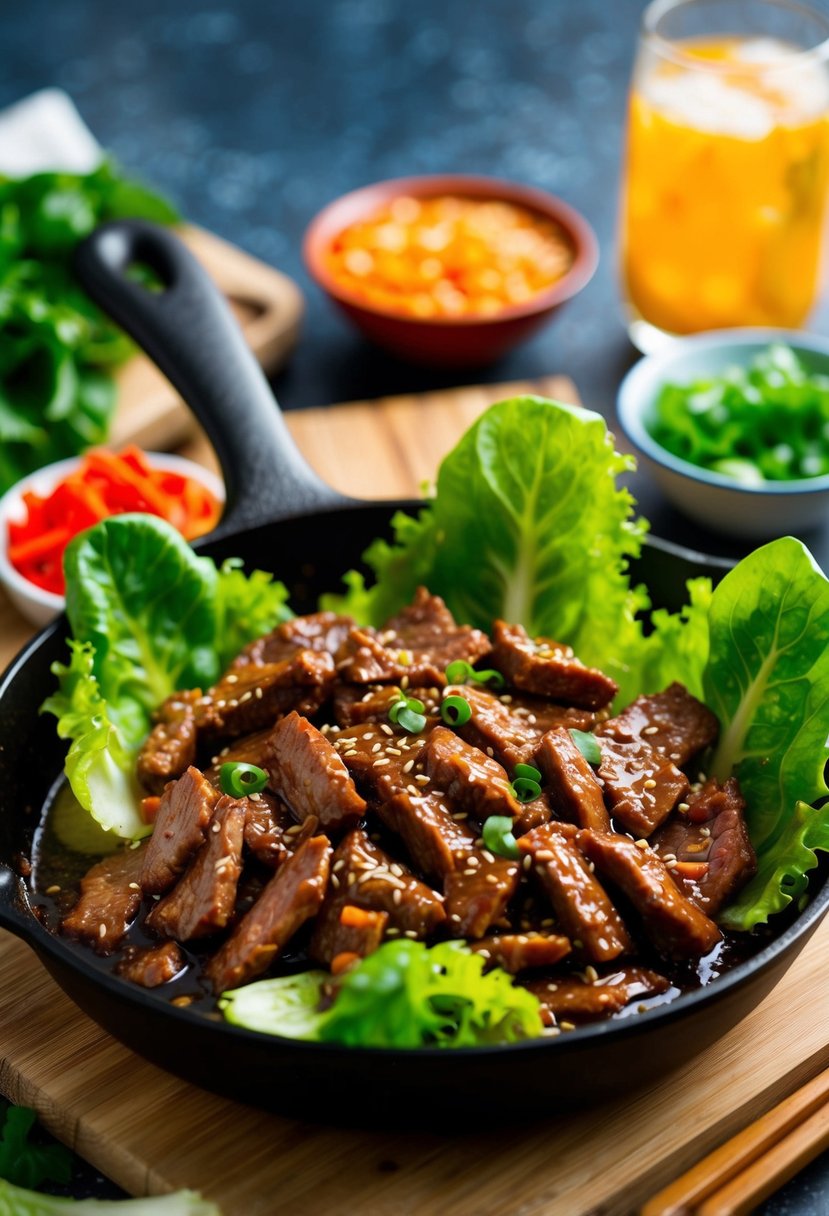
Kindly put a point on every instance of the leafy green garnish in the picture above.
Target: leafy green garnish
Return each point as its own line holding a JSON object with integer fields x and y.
{"x": 765, "y": 422}
{"x": 403, "y": 995}
{"x": 528, "y": 524}
{"x": 408, "y": 713}
{"x": 588, "y": 745}
{"x": 767, "y": 680}
{"x": 15, "y": 1201}
{"x": 148, "y": 617}
{"x": 24, "y": 1163}
{"x": 56, "y": 347}
{"x": 499, "y": 838}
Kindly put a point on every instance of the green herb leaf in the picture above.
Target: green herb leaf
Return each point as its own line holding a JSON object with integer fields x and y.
{"x": 26, "y": 1164}
{"x": 455, "y": 711}
{"x": 239, "y": 779}
{"x": 588, "y": 746}
{"x": 499, "y": 838}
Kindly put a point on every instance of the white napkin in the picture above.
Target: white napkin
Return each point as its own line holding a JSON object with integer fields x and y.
{"x": 46, "y": 132}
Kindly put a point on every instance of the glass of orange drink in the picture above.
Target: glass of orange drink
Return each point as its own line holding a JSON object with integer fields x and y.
{"x": 727, "y": 167}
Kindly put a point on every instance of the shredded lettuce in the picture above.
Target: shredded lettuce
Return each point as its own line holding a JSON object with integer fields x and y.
{"x": 17, "y": 1201}
{"x": 148, "y": 617}
{"x": 405, "y": 994}
{"x": 767, "y": 680}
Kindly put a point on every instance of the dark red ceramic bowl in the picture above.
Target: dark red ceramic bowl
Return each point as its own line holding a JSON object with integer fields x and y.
{"x": 450, "y": 341}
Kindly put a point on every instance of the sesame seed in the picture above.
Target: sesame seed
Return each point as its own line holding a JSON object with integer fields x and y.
{"x": 683, "y": 807}
{"x": 547, "y": 922}
{"x": 392, "y": 932}
{"x": 410, "y": 933}
{"x": 492, "y": 878}
{"x": 259, "y": 693}
{"x": 255, "y": 797}
{"x": 380, "y": 763}
{"x": 221, "y": 704}
{"x": 487, "y": 856}
{"x": 421, "y": 779}
{"x": 591, "y": 974}
{"x": 413, "y": 790}
{"x": 231, "y": 679}
{"x": 527, "y": 862}
{"x": 674, "y": 756}
{"x": 705, "y": 831}
{"x": 506, "y": 699}
{"x": 408, "y": 766}
{"x": 387, "y": 730}
{"x": 490, "y": 752}
{"x": 368, "y": 736}
{"x": 396, "y": 897}
{"x": 393, "y": 751}
{"x": 641, "y": 844}
{"x": 338, "y": 865}
{"x": 651, "y": 730}
{"x": 54, "y": 889}
{"x": 102, "y": 930}
{"x": 378, "y": 747}
{"x": 352, "y": 752}
{"x": 335, "y": 882}
{"x": 531, "y": 718}
{"x": 650, "y": 784}
{"x": 702, "y": 778}
{"x": 404, "y": 681}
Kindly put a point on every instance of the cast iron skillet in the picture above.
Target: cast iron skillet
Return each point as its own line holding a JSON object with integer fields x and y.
{"x": 281, "y": 517}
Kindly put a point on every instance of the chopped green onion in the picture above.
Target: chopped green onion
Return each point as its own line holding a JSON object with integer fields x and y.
{"x": 525, "y": 789}
{"x": 239, "y": 779}
{"x": 455, "y": 711}
{"x": 587, "y": 745}
{"x": 527, "y": 770}
{"x": 408, "y": 713}
{"x": 461, "y": 672}
{"x": 498, "y": 837}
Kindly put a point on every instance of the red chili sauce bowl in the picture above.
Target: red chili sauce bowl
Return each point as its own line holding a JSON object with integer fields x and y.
{"x": 449, "y": 340}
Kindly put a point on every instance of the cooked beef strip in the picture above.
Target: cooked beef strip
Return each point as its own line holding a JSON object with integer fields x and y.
{"x": 202, "y": 900}
{"x": 170, "y": 747}
{"x": 253, "y": 696}
{"x": 641, "y": 786}
{"x": 477, "y": 895}
{"x": 517, "y": 952}
{"x": 569, "y": 999}
{"x": 583, "y": 908}
{"x": 184, "y": 812}
{"x": 292, "y": 897}
{"x": 416, "y": 645}
{"x": 268, "y": 834}
{"x": 322, "y": 631}
{"x": 477, "y": 886}
{"x": 369, "y": 877}
{"x": 710, "y": 843}
{"x": 109, "y": 901}
{"x": 472, "y": 780}
{"x": 307, "y": 772}
{"x": 573, "y": 788}
{"x": 353, "y": 705}
{"x": 675, "y": 926}
{"x": 532, "y": 815}
{"x": 674, "y": 722}
{"x": 151, "y": 966}
{"x": 344, "y": 932}
{"x": 510, "y": 726}
{"x": 546, "y": 667}
{"x": 250, "y": 749}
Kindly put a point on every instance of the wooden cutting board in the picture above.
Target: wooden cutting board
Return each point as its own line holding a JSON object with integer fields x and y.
{"x": 152, "y": 1132}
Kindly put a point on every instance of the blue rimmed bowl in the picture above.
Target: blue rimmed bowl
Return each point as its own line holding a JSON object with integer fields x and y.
{"x": 720, "y": 502}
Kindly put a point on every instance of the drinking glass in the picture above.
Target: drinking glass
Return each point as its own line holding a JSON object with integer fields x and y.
{"x": 727, "y": 167}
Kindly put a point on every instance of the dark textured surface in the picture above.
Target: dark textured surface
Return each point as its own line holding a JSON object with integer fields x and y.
{"x": 253, "y": 115}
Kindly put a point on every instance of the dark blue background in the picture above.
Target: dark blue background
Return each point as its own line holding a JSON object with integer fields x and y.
{"x": 253, "y": 115}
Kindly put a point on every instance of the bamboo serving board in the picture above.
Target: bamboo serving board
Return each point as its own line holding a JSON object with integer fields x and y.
{"x": 151, "y": 1132}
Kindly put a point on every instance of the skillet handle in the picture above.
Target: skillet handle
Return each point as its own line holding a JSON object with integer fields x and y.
{"x": 188, "y": 331}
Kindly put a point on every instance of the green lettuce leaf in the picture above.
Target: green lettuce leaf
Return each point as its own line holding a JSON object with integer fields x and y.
{"x": 25, "y": 1163}
{"x": 149, "y": 617}
{"x": 16, "y": 1201}
{"x": 528, "y": 524}
{"x": 767, "y": 680}
{"x": 405, "y": 994}
{"x": 99, "y": 766}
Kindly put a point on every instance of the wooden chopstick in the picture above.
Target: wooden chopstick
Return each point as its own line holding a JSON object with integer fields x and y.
{"x": 739, "y": 1174}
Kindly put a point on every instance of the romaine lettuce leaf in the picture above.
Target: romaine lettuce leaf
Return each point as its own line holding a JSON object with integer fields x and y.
{"x": 528, "y": 524}
{"x": 16, "y": 1201}
{"x": 405, "y": 994}
{"x": 149, "y": 617}
{"x": 767, "y": 680}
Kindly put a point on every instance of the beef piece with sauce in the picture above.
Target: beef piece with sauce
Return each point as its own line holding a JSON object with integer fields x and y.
{"x": 320, "y": 631}
{"x": 709, "y": 843}
{"x": 268, "y": 834}
{"x": 307, "y": 773}
{"x": 510, "y": 727}
{"x": 570, "y": 999}
{"x": 675, "y": 926}
{"x": 203, "y": 899}
{"x": 583, "y": 908}
{"x": 108, "y": 903}
{"x": 251, "y": 697}
{"x": 151, "y": 966}
{"x": 673, "y": 722}
{"x": 185, "y": 809}
{"x": 478, "y": 893}
{"x": 344, "y": 933}
{"x": 416, "y": 645}
{"x": 517, "y": 952}
{"x": 641, "y": 786}
{"x": 472, "y": 780}
{"x": 170, "y": 747}
{"x": 292, "y": 897}
{"x": 574, "y": 789}
{"x": 548, "y": 668}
